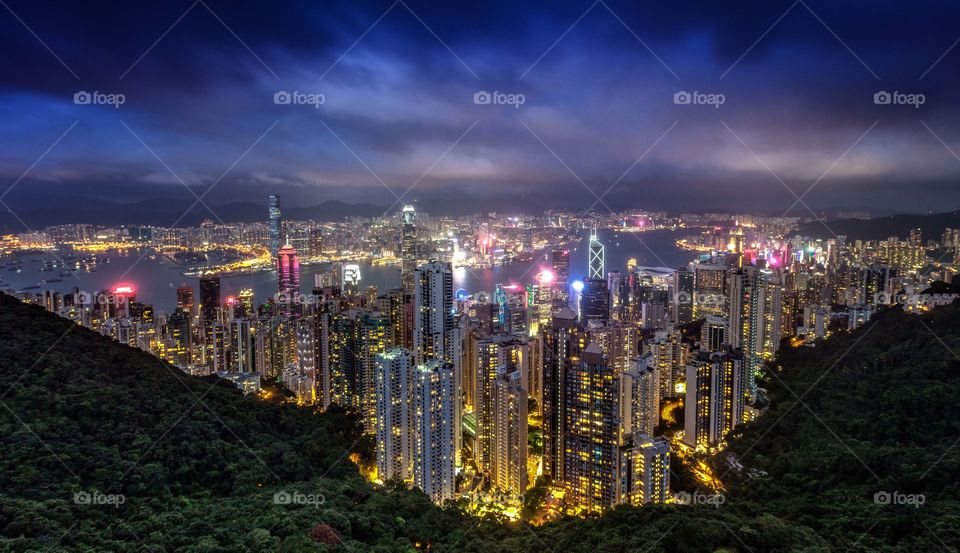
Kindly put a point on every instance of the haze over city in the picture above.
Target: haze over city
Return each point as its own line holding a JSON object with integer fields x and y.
{"x": 398, "y": 81}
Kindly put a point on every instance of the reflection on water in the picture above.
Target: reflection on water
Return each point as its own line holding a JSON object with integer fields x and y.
{"x": 157, "y": 277}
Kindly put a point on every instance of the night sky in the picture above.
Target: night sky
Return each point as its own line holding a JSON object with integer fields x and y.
{"x": 398, "y": 81}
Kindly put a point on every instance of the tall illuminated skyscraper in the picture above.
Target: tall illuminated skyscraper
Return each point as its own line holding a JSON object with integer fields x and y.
{"x": 509, "y": 432}
{"x": 755, "y": 311}
{"x": 434, "y": 438}
{"x": 276, "y": 231}
{"x": 669, "y": 355}
{"x": 714, "y": 404}
{"x": 394, "y": 435}
{"x": 563, "y": 341}
{"x": 433, "y": 311}
{"x": 591, "y": 452}
{"x": 496, "y": 356}
{"x": 560, "y": 262}
{"x": 374, "y": 337}
{"x": 288, "y": 274}
{"x": 408, "y": 247}
{"x": 639, "y": 398}
{"x": 596, "y": 258}
{"x": 765, "y": 317}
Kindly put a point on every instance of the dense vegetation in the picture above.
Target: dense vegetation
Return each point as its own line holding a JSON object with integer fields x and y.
{"x": 199, "y": 465}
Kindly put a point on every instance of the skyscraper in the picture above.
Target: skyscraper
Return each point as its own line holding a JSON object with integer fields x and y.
{"x": 288, "y": 276}
{"x": 682, "y": 296}
{"x": 669, "y": 353}
{"x": 596, "y": 255}
{"x": 394, "y": 435}
{"x": 408, "y": 247}
{"x": 644, "y": 471}
{"x": 209, "y": 297}
{"x": 509, "y": 432}
{"x": 560, "y": 263}
{"x": 714, "y": 403}
{"x": 591, "y": 453}
{"x": 595, "y": 301}
{"x": 496, "y": 356}
{"x": 433, "y": 311}
{"x": 276, "y": 231}
{"x": 563, "y": 341}
{"x": 639, "y": 398}
{"x": 434, "y": 443}
{"x": 185, "y": 299}
{"x": 755, "y": 312}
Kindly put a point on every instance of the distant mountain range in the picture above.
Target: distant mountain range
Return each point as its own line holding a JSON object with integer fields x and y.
{"x": 165, "y": 212}
{"x": 883, "y": 227}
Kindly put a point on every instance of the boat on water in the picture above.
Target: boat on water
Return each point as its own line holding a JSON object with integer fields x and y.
{"x": 49, "y": 280}
{"x": 34, "y": 287}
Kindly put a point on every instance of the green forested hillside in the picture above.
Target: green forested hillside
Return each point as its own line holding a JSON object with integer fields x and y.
{"x": 199, "y": 465}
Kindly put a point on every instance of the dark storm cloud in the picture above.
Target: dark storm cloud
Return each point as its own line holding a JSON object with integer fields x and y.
{"x": 798, "y": 80}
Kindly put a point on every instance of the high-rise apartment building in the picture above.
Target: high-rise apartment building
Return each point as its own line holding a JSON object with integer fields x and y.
{"x": 394, "y": 433}
{"x": 644, "y": 474}
{"x": 714, "y": 404}
{"x": 496, "y": 356}
{"x": 433, "y": 311}
{"x": 639, "y": 398}
{"x": 434, "y": 441}
{"x": 591, "y": 452}
{"x": 508, "y": 469}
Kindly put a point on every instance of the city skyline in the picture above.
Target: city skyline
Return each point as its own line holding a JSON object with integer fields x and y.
{"x": 407, "y": 275}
